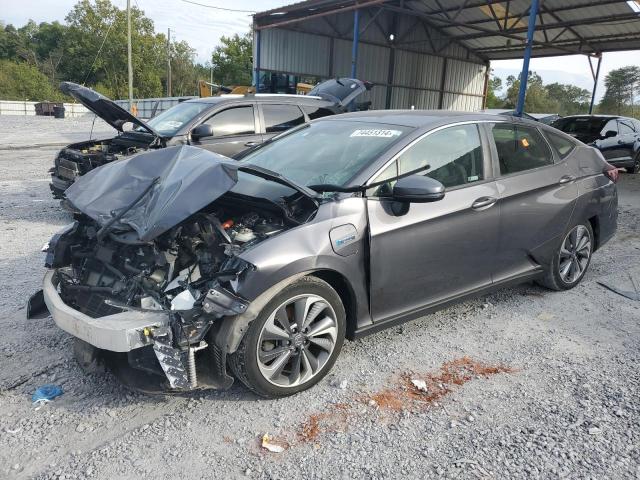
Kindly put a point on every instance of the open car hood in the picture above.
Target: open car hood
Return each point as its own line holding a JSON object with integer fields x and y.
{"x": 341, "y": 91}
{"x": 106, "y": 109}
{"x": 187, "y": 179}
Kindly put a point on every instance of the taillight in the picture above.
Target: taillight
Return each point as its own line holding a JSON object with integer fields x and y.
{"x": 612, "y": 172}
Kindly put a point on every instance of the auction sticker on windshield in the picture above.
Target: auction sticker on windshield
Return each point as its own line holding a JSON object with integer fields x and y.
{"x": 376, "y": 132}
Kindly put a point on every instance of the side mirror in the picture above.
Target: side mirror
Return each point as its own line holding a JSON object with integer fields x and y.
{"x": 202, "y": 131}
{"x": 610, "y": 134}
{"x": 418, "y": 189}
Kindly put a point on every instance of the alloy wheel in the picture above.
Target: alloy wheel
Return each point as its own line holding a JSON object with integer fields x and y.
{"x": 574, "y": 254}
{"x": 297, "y": 340}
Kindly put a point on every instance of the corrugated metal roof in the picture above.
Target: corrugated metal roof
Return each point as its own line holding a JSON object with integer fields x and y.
{"x": 485, "y": 28}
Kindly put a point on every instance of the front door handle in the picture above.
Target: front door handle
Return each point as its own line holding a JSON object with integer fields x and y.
{"x": 251, "y": 144}
{"x": 620, "y": 142}
{"x": 566, "y": 179}
{"x": 484, "y": 202}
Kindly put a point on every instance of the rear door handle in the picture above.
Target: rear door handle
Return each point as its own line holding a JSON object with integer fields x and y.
{"x": 483, "y": 202}
{"x": 566, "y": 179}
{"x": 251, "y": 144}
{"x": 620, "y": 142}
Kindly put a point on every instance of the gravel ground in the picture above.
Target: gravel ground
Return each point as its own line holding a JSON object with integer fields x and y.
{"x": 21, "y": 131}
{"x": 524, "y": 383}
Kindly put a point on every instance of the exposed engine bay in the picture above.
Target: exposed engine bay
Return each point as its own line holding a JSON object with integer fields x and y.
{"x": 77, "y": 159}
{"x": 174, "y": 272}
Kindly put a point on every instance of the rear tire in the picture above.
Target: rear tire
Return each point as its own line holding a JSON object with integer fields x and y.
{"x": 294, "y": 341}
{"x": 571, "y": 261}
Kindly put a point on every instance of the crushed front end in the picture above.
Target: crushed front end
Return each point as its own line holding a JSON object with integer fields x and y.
{"x": 149, "y": 270}
{"x": 154, "y": 302}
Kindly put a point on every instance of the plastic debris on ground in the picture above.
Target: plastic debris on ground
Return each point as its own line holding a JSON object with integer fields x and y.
{"x": 45, "y": 394}
{"x": 419, "y": 384}
{"x": 272, "y": 447}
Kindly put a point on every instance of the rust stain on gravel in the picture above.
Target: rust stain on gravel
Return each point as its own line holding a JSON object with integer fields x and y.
{"x": 402, "y": 395}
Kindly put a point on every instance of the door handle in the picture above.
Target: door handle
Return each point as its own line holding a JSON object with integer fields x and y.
{"x": 483, "y": 202}
{"x": 620, "y": 142}
{"x": 566, "y": 179}
{"x": 251, "y": 144}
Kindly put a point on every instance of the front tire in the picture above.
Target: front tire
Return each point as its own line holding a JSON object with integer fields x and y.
{"x": 294, "y": 341}
{"x": 571, "y": 261}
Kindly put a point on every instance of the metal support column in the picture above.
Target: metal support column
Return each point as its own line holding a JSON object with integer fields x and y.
{"x": 390, "y": 72}
{"x": 524, "y": 76}
{"x": 485, "y": 90}
{"x": 443, "y": 83}
{"x": 256, "y": 66}
{"x": 354, "y": 47}
{"x": 595, "y": 82}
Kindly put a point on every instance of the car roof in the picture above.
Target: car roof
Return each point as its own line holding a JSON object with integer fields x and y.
{"x": 603, "y": 117}
{"x": 421, "y": 118}
{"x": 264, "y": 98}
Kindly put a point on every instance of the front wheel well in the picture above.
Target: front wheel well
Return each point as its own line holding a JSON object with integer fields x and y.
{"x": 341, "y": 285}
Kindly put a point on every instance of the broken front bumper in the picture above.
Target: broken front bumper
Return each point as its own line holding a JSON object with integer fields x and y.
{"x": 121, "y": 332}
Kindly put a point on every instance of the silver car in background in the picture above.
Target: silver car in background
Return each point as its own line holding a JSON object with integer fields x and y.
{"x": 184, "y": 265}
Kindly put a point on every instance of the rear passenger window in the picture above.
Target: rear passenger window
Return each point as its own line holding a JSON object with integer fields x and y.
{"x": 520, "y": 148}
{"x": 278, "y": 118}
{"x": 625, "y": 128}
{"x": 454, "y": 156}
{"x": 563, "y": 145}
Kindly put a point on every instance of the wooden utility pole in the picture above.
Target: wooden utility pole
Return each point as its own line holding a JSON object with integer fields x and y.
{"x": 168, "y": 62}
{"x": 129, "y": 55}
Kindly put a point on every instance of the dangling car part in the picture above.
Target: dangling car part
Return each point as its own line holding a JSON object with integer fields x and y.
{"x": 228, "y": 125}
{"x": 183, "y": 265}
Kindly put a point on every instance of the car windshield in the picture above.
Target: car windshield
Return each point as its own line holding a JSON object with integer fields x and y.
{"x": 581, "y": 125}
{"x": 330, "y": 151}
{"x": 169, "y": 122}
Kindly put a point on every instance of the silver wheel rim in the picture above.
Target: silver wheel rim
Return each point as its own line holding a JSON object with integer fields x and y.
{"x": 574, "y": 254}
{"x": 297, "y": 340}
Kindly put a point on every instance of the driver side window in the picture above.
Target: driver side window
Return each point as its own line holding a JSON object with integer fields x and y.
{"x": 233, "y": 121}
{"x": 453, "y": 155}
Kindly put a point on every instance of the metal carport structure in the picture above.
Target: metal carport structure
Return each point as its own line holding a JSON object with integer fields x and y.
{"x": 436, "y": 53}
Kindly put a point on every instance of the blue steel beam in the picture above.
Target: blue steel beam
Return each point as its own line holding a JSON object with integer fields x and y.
{"x": 354, "y": 46}
{"x": 524, "y": 76}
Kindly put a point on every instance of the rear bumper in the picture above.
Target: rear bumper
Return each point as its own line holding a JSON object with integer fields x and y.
{"x": 121, "y": 332}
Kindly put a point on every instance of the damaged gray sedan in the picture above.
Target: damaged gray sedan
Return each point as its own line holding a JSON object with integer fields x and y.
{"x": 183, "y": 268}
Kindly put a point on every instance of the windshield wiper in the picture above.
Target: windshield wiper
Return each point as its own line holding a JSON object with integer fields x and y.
{"x": 330, "y": 187}
{"x": 107, "y": 226}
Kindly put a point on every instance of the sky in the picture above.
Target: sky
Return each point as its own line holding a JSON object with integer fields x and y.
{"x": 202, "y": 28}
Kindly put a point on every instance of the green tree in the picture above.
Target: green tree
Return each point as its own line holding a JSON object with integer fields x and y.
{"x": 494, "y": 85}
{"x": 89, "y": 22}
{"x": 571, "y": 99}
{"x": 537, "y": 98}
{"x": 232, "y": 60}
{"x": 621, "y": 86}
{"x": 22, "y": 81}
